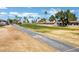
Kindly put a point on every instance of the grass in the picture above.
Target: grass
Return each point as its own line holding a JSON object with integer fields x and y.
{"x": 67, "y": 35}
{"x": 76, "y": 33}
{"x": 1, "y": 26}
{"x": 45, "y": 28}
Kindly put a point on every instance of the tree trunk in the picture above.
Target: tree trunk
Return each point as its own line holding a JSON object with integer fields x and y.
{"x": 62, "y": 21}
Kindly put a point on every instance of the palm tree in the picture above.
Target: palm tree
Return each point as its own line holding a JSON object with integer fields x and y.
{"x": 17, "y": 17}
{"x": 26, "y": 20}
{"x": 45, "y": 13}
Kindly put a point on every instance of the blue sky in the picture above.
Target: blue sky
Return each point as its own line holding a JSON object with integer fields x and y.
{"x": 33, "y": 12}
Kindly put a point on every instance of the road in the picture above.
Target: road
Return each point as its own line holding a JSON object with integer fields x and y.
{"x": 13, "y": 40}
{"x": 52, "y": 42}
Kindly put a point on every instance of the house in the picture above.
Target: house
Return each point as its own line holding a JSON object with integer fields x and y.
{"x": 59, "y": 23}
{"x": 50, "y": 22}
{"x": 70, "y": 23}
{"x": 46, "y": 22}
{"x": 73, "y": 23}
{"x": 3, "y": 22}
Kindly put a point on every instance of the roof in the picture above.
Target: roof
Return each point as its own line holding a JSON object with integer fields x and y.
{"x": 73, "y": 21}
{"x": 2, "y": 20}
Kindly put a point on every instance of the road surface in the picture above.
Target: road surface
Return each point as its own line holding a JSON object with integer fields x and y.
{"x": 52, "y": 42}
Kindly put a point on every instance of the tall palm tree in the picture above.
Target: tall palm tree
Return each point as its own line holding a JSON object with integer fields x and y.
{"x": 45, "y": 12}
{"x": 17, "y": 17}
{"x": 44, "y": 18}
{"x": 26, "y": 20}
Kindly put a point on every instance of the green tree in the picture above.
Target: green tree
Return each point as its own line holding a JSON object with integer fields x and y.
{"x": 61, "y": 16}
{"x": 51, "y": 18}
{"x": 65, "y": 16}
{"x": 70, "y": 16}
{"x": 17, "y": 17}
{"x": 10, "y": 21}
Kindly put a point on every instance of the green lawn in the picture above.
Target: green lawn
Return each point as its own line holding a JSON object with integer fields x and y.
{"x": 38, "y": 27}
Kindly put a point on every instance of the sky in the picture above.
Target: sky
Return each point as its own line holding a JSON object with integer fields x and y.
{"x": 34, "y": 12}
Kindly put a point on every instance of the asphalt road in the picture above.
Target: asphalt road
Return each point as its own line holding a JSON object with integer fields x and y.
{"x": 52, "y": 42}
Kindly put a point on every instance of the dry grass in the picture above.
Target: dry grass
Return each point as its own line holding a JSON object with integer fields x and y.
{"x": 69, "y": 34}
{"x": 14, "y": 40}
{"x": 65, "y": 36}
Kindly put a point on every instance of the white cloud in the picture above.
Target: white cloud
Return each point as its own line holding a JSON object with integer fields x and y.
{"x": 31, "y": 14}
{"x": 3, "y": 7}
{"x": 25, "y": 14}
{"x": 72, "y": 11}
{"x": 15, "y": 13}
{"x": 53, "y": 11}
{"x": 3, "y": 13}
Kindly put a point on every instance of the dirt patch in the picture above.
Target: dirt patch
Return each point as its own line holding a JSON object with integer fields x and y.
{"x": 15, "y": 40}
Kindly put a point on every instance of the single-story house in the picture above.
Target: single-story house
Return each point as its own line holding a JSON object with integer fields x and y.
{"x": 46, "y": 22}
{"x": 70, "y": 23}
{"x": 73, "y": 23}
{"x": 3, "y": 22}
